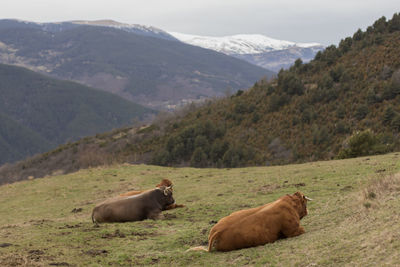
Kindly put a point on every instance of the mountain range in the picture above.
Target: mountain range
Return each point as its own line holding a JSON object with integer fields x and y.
{"x": 344, "y": 103}
{"x": 142, "y": 64}
{"x": 67, "y": 25}
{"x": 257, "y": 49}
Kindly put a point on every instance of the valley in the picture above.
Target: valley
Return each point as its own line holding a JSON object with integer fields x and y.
{"x": 142, "y": 64}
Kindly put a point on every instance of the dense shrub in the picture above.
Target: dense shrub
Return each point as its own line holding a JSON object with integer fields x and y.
{"x": 396, "y": 123}
{"x": 361, "y": 112}
{"x": 388, "y": 115}
{"x": 362, "y": 144}
{"x": 290, "y": 83}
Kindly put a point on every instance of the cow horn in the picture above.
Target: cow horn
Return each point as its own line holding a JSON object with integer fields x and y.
{"x": 169, "y": 188}
{"x": 309, "y": 199}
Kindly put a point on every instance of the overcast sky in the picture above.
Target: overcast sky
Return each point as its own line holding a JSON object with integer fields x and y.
{"x": 320, "y": 21}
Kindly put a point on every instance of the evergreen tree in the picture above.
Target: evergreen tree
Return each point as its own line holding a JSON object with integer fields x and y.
{"x": 359, "y": 35}
{"x": 199, "y": 158}
{"x": 371, "y": 96}
{"x": 394, "y": 23}
{"x": 388, "y": 115}
{"x": 361, "y": 112}
{"x": 396, "y": 123}
{"x": 380, "y": 25}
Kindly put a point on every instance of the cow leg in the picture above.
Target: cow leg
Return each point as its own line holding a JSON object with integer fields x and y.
{"x": 291, "y": 228}
{"x": 291, "y": 232}
{"x": 174, "y": 206}
{"x": 155, "y": 215}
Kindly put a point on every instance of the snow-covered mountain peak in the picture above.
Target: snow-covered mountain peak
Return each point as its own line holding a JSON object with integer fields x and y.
{"x": 240, "y": 43}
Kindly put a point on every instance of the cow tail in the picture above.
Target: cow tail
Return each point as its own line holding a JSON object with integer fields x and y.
{"x": 93, "y": 219}
{"x": 211, "y": 240}
{"x": 199, "y": 248}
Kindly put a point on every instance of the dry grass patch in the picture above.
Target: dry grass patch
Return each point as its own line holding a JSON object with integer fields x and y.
{"x": 372, "y": 231}
{"x": 381, "y": 189}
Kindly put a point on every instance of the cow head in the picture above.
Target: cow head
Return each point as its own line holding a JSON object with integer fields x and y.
{"x": 301, "y": 203}
{"x": 167, "y": 198}
{"x": 164, "y": 182}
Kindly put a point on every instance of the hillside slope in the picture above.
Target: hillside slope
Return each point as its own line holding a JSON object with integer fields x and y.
{"x": 352, "y": 221}
{"x": 311, "y": 111}
{"x": 18, "y": 141}
{"x": 344, "y": 103}
{"x": 281, "y": 59}
{"x": 38, "y": 113}
{"x": 144, "y": 69}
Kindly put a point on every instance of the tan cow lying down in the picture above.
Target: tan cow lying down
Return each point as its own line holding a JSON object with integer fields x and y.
{"x": 164, "y": 182}
{"x": 258, "y": 226}
{"x": 147, "y": 205}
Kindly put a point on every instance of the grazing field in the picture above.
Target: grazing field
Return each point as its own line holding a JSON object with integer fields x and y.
{"x": 353, "y": 220}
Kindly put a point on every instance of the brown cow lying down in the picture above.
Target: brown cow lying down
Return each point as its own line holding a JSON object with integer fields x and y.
{"x": 147, "y": 205}
{"x": 258, "y": 226}
{"x": 164, "y": 182}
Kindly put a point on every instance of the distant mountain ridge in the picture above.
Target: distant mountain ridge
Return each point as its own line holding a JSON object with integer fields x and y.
{"x": 142, "y": 64}
{"x": 240, "y": 43}
{"x": 133, "y": 28}
{"x": 67, "y": 25}
{"x": 258, "y": 49}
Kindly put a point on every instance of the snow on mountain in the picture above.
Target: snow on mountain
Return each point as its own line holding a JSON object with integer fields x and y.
{"x": 240, "y": 43}
{"x": 257, "y": 49}
{"x": 118, "y": 25}
{"x": 66, "y": 25}
{"x": 133, "y": 28}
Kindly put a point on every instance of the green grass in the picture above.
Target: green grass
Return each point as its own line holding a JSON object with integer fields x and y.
{"x": 353, "y": 219}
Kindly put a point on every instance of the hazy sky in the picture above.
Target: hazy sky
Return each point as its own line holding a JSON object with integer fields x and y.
{"x": 301, "y": 21}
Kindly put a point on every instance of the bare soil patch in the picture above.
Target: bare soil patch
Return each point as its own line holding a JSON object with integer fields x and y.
{"x": 117, "y": 233}
{"x": 96, "y": 252}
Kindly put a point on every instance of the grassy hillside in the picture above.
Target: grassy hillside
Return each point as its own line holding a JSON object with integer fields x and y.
{"x": 40, "y": 112}
{"x": 142, "y": 69}
{"x": 352, "y": 221}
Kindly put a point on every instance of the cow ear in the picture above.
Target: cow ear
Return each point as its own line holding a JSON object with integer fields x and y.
{"x": 298, "y": 194}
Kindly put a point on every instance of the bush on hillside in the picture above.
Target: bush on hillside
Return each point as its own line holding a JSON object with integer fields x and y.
{"x": 362, "y": 144}
{"x": 290, "y": 83}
